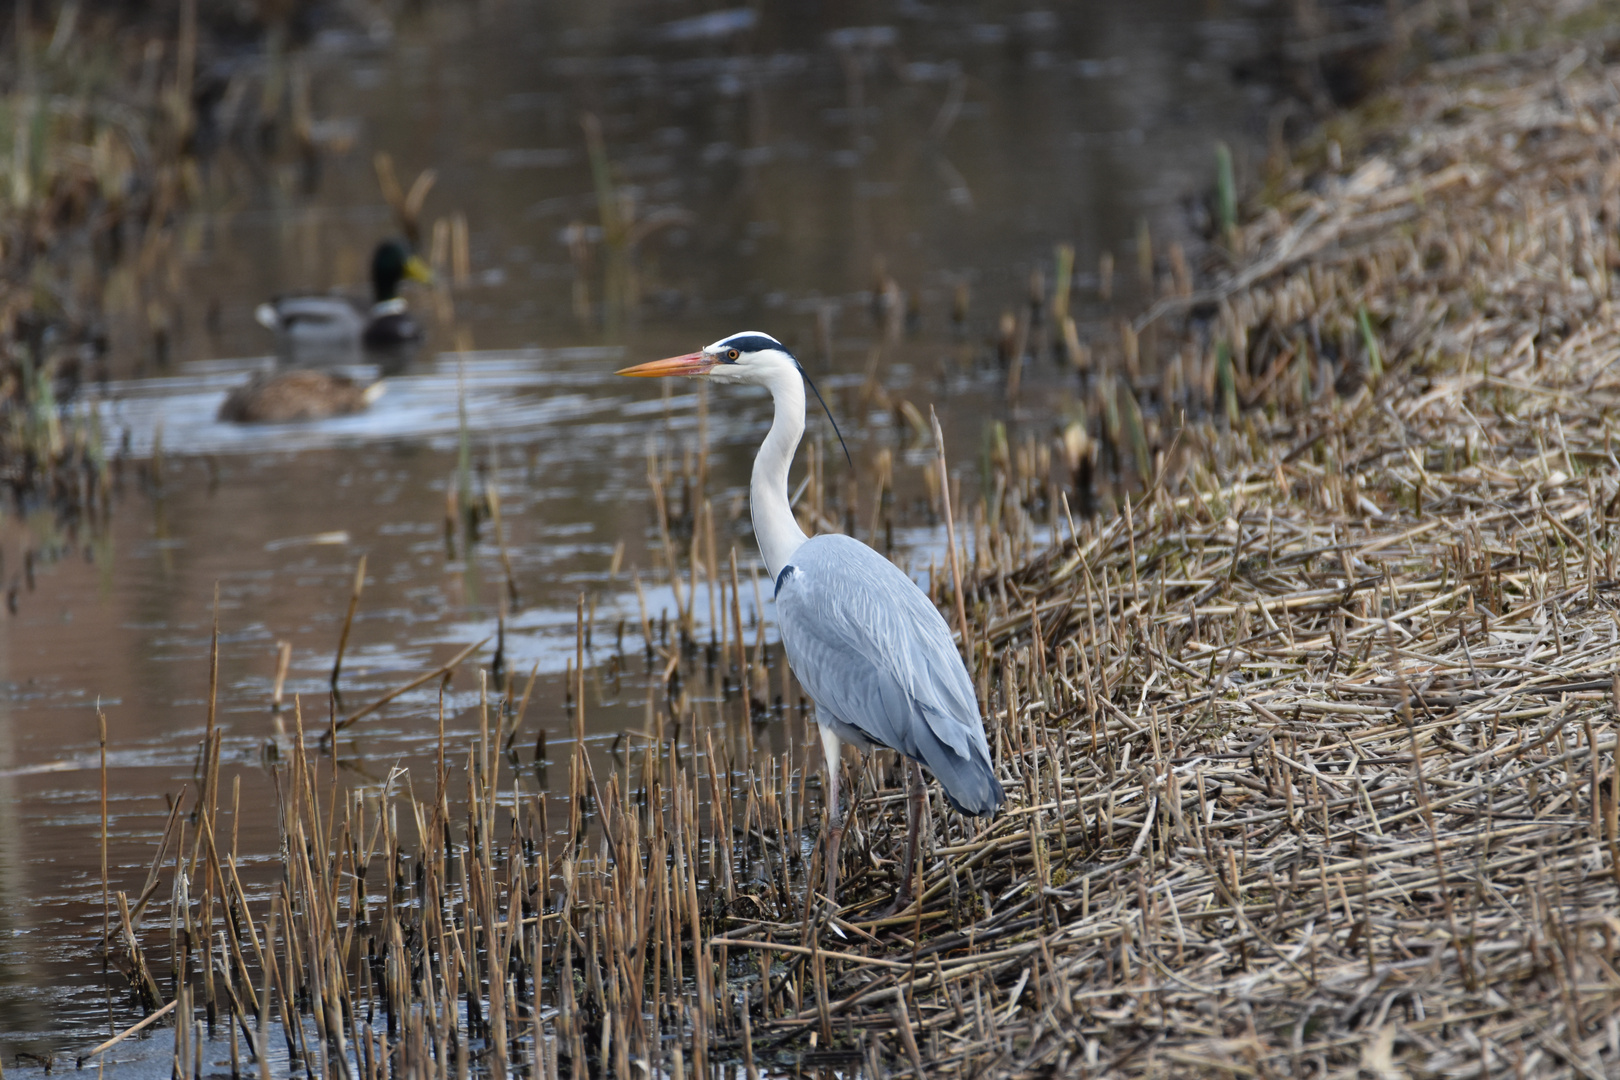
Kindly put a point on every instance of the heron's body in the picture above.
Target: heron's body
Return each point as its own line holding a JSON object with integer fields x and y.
{"x": 868, "y": 646}
{"x": 878, "y": 661}
{"x": 305, "y": 324}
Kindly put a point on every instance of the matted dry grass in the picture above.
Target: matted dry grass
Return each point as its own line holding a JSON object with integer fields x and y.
{"x": 1312, "y": 751}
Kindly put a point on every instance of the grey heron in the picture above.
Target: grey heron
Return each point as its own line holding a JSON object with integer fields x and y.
{"x": 868, "y": 646}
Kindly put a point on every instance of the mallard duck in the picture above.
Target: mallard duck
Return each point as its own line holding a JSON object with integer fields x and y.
{"x": 304, "y": 322}
{"x": 281, "y": 396}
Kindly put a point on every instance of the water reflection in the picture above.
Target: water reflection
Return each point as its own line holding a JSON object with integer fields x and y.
{"x": 613, "y": 170}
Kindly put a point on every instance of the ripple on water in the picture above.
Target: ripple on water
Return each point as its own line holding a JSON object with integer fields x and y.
{"x": 507, "y": 392}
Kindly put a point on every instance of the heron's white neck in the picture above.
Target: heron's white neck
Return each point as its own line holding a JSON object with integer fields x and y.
{"x": 775, "y": 529}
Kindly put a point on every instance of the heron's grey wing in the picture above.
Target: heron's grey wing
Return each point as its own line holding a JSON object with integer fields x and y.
{"x": 875, "y": 653}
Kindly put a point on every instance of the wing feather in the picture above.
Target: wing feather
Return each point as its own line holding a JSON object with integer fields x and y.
{"x": 876, "y": 654}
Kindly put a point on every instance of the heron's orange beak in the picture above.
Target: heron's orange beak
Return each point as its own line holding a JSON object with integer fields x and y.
{"x": 697, "y": 363}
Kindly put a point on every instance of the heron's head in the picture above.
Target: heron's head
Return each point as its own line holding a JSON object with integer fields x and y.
{"x": 750, "y": 358}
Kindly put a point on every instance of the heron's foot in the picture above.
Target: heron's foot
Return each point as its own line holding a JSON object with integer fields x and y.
{"x": 835, "y": 834}
{"x": 902, "y": 901}
{"x": 823, "y": 915}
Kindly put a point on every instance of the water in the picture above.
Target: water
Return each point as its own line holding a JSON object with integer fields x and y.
{"x": 776, "y": 168}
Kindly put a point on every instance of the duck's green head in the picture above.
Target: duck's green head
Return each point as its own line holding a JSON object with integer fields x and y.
{"x": 392, "y": 263}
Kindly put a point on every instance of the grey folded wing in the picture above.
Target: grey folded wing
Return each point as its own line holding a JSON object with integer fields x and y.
{"x": 875, "y": 654}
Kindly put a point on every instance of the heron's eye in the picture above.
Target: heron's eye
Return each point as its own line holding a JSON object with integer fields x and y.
{"x": 732, "y": 354}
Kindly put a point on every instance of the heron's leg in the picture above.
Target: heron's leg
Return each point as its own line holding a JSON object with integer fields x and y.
{"x": 831, "y": 748}
{"x": 914, "y": 811}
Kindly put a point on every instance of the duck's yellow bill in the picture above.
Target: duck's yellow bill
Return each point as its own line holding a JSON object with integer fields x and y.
{"x": 697, "y": 363}
{"x": 417, "y": 270}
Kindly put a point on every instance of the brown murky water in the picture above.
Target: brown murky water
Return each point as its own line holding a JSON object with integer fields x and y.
{"x": 773, "y": 168}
